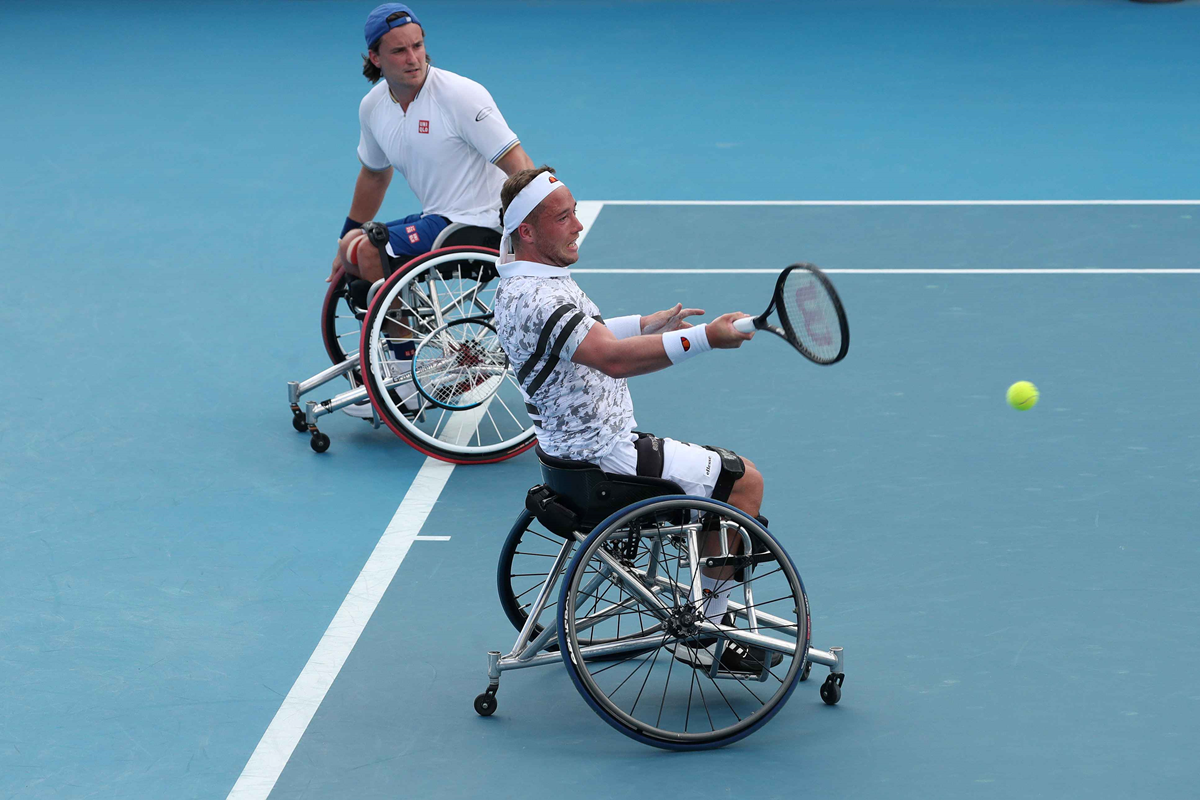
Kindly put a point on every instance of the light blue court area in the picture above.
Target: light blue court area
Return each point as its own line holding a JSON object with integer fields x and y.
{"x": 1014, "y": 591}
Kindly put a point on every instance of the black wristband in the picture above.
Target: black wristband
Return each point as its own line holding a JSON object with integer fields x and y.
{"x": 349, "y": 226}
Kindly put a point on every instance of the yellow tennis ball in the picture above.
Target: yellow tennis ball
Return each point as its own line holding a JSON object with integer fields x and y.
{"x": 1022, "y": 395}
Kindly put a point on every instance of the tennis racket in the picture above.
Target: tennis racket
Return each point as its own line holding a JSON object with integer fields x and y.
{"x": 811, "y": 317}
{"x": 459, "y": 365}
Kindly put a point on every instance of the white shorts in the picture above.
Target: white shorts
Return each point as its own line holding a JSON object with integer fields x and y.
{"x": 693, "y": 467}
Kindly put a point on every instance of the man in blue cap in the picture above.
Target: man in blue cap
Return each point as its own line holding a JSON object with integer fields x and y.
{"x": 441, "y": 130}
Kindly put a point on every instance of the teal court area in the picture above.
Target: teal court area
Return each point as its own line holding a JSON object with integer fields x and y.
{"x": 1014, "y": 591}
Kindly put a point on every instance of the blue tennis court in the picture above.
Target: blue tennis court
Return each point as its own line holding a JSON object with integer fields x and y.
{"x": 1014, "y": 591}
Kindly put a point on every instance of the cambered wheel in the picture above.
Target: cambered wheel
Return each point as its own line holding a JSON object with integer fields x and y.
{"x": 341, "y": 323}
{"x": 525, "y": 561}
{"x": 422, "y": 297}
{"x": 701, "y": 684}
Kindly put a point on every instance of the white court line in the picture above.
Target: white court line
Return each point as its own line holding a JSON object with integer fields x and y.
{"x": 982, "y": 271}
{"x": 899, "y": 202}
{"x": 291, "y": 720}
{"x": 275, "y": 748}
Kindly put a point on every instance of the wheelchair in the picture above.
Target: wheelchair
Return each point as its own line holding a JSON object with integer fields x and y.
{"x": 599, "y": 573}
{"x": 458, "y": 400}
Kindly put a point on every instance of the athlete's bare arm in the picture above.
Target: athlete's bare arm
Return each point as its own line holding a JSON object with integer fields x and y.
{"x": 369, "y": 191}
{"x": 639, "y": 355}
{"x": 513, "y": 161}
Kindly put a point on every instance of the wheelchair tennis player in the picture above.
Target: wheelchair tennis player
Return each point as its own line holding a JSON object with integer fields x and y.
{"x": 572, "y": 365}
{"x": 445, "y": 135}
{"x": 441, "y": 130}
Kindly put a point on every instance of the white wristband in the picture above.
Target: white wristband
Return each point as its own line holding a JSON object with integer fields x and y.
{"x": 624, "y": 327}
{"x": 686, "y": 342}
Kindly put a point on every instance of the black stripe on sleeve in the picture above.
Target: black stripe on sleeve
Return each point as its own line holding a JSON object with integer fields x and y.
{"x": 543, "y": 339}
{"x": 571, "y": 324}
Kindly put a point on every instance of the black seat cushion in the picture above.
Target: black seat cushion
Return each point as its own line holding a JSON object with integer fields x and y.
{"x": 594, "y": 494}
{"x": 473, "y": 236}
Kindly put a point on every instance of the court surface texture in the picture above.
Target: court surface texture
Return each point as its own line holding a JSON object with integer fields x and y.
{"x": 1015, "y": 592}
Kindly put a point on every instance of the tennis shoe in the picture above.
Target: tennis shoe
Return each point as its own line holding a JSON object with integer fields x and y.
{"x": 735, "y": 657}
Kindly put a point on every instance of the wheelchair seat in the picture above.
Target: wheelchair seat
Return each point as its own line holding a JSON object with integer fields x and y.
{"x": 578, "y": 495}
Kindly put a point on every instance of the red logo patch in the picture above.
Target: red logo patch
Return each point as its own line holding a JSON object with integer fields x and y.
{"x": 410, "y": 228}
{"x": 686, "y": 344}
{"x": 553, "y": 179}
{"x": 414, "y": 238}
{"x": 423, "y": 126}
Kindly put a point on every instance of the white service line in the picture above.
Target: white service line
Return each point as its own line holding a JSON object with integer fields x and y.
{"x": 271, "y": 755}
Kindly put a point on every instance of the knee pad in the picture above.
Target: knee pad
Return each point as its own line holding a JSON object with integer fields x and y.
{"x": 732, "y": 468}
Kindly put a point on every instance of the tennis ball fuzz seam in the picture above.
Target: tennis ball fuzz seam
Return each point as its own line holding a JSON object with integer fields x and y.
{"x": 1022, "y": 395}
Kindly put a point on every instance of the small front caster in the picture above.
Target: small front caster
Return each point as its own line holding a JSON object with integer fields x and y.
{"x": 807, "y": 669}
{"x": 485, "y": 704}
{"x": 319, "y": 442}
{"x": 831, "y": 689}
{"x": 298, "y": 422}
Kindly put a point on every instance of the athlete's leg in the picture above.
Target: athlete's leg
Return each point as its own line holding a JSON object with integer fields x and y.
{"x": 747, "y": 492}
{"x": 408, "y": 237}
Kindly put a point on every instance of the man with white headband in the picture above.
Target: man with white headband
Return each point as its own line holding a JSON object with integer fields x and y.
{"x": 571, "y": 365}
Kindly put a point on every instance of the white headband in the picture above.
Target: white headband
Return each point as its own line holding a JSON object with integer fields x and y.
{"x": 526, "y": 201}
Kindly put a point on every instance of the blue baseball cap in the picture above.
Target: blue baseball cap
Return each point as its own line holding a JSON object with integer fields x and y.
{"x": 377, "y": 24}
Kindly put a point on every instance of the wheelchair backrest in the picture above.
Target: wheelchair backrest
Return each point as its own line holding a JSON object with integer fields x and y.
{"x": 456, "y": 234}
{"x": 592, "y": 494}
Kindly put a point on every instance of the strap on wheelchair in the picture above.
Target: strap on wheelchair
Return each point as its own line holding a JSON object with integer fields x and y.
{"x": 649, "y": 455}
{"x": 543, "y": 503}
{"x": 377, "y": 232}
{"x": 732, "y": 468}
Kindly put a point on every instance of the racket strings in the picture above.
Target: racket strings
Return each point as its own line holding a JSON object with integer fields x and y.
{"x": 810, "y": 315}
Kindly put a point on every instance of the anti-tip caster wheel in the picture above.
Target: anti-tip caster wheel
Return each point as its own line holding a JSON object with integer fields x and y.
{"x": 831, "y": 689}
{"x": 298, "y": 422}
{"x": 319, "y": 442}
{"x": 807, "y": 669}
{"x": 485, "y": 704}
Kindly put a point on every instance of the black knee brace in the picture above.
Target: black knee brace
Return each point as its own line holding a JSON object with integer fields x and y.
{"x": 732, "y": 468}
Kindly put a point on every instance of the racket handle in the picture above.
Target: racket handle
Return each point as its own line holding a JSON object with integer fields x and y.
{"x": 744, "y": 325}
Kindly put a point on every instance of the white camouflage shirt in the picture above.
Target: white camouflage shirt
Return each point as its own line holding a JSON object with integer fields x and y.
{"x": 542, "y": 316}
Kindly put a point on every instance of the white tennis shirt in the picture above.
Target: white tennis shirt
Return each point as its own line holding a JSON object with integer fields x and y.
{"x": 445, "y": 145}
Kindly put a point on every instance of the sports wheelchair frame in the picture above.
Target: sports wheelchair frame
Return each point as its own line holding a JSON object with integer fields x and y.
{"x": 601, "y": 571}
{"x": 455, "y": 399}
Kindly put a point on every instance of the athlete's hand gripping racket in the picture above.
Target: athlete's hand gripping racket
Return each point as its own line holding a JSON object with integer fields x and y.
{"x": 811, "y": 317}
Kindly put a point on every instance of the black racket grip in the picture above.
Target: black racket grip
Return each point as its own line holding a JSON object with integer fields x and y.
{"x": 377, "y": 232}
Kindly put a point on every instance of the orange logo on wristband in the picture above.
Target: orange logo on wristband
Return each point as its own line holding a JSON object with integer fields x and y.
{"x": 686, "y": 344}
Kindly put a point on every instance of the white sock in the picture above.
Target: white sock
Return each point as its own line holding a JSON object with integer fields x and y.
{"x": 715, "y": 602}
{"x": 407, "y": 390}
